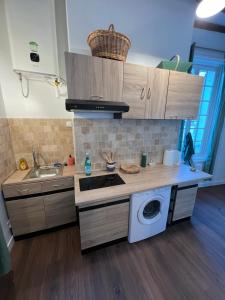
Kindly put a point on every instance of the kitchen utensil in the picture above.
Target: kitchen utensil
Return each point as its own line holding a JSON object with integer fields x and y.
{"x": 111, "y": 166}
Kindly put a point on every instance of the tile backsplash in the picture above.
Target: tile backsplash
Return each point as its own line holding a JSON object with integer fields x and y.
{"x": 127, "y": 138}
{"x": 7, "y": 160}
{"x": 50, "y": 137}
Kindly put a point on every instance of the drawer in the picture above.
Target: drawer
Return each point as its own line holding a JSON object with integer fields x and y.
{"x": 60, "y": 208}
{"x": 102, "y": 225}
{"x": 185, "y": 202}
{"x": 22, "y": 189}
{"x": 26, "y": 215}
{"x": 58, "y": 184}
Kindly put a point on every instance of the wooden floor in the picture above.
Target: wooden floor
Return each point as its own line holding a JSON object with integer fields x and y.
{"x": 185, "y": 262}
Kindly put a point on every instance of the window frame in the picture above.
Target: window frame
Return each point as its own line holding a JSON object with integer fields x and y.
{"x": 204, "y": 64}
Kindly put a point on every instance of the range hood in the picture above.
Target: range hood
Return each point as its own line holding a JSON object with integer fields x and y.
{"x": 97, "y": 106}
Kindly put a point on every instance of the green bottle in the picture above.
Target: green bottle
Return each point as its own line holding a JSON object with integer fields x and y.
{"x": 87, "y": 165}
{"x": 143, "y": 160}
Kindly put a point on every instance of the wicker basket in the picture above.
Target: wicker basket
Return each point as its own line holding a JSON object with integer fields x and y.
{"x": 109, "y": 44}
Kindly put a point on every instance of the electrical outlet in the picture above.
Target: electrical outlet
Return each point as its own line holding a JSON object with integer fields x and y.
{"x": 69, "y": 124}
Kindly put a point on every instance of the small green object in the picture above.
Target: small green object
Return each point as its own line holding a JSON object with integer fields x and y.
{"x": 33, "y": 46}
{"x": 143, "y": 160}
{"x": 87, "y": 165}
{"x": 175, "y": 65}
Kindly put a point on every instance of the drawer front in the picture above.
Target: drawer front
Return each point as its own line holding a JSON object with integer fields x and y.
{"x": 58, "y": 184}
{"x": 26, "y": 215}
{"x": 102, "y": 225}
{"x": 60, "y": 208}
{"x": 185, "y": 202}
{"x": 22, "y": 189}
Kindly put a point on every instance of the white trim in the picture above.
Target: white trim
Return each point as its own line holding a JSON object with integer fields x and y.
{"x": 10, "y": 243}
{"x": 211, "y": 183}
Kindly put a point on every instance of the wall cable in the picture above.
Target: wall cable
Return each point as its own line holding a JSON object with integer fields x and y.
{"x": 25, "y": 94}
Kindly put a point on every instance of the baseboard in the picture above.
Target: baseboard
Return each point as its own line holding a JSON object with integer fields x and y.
{"x": 10, "y": 243}
{"x": 211, "y": 183}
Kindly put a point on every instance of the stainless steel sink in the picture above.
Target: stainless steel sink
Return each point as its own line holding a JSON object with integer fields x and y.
{"x": 44, "y": 171}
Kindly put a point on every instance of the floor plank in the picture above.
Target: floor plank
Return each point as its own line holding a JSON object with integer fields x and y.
{"x": 185, "y": 262}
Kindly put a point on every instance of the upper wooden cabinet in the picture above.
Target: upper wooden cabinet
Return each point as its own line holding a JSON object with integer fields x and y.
{"x": 151, "y": 93}
{"x": 93, "y": 78}
{"x": 134, "y": 90}
{"x": 157, "y": 93}
{"x": 112, "y": 73}
{"x": 184, "y": 92}
{"x": 145, "y": 90}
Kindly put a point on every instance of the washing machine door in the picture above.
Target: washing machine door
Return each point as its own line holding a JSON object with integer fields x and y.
{"x": 150, "y": 210}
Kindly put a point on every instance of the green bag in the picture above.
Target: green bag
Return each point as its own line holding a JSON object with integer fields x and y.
{"x": 175, "y": 64}
{"x": 5, "y": 260}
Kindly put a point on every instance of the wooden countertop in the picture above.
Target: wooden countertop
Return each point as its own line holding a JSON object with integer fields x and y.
{"x": 18, "y": 176}
{"x": 149, "y": 178}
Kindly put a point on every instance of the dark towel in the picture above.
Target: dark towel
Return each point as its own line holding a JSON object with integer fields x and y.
{"x": 5, "y": 261}
{"x": 188, "y": 148}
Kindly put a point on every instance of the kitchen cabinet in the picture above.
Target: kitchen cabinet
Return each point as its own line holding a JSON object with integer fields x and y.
{"x": 34, "y": 206}
{"x": 59, "y": 208}
{"x": 145, "y": 91}
{"x": 182, "y": 201}
{"x": 84, "y": 77}
{"x": 112, "y": 79}
{"x": 22, "y": 189}
{"x": 26, "y": 215}
{"x": 103, "y": 223}
{"x": 134, "y": 90}
{"x": 185, "y": 202}
{"x": 93, "y": 78}
{"x": 184, "y": 92}
{"x": 156, "y": 93}
{"x": 151, "y": 93}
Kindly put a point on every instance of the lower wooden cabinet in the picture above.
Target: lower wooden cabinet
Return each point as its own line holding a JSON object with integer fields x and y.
{"x": 59, "y": 208}
{"x": 26, "y": 215}
{"x": 41, "y": 212}
{"x": 103, "y": 224}
{"x": 185, "y": 202}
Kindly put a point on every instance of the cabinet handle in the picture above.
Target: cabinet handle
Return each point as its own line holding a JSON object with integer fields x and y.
{"x": 149, "y": 94}
{"x": 93, "y": 97}
{"x": 142, "y": 93}
{"x": 56, "y": 185}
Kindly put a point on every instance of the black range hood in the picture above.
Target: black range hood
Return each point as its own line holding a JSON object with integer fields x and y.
{"x": 97, "y": 106}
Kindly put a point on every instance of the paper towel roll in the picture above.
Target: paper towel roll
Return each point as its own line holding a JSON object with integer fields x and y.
{"x": 171, "y": 157}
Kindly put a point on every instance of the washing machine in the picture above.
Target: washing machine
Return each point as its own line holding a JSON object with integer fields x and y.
{"x": 148, "y": 213}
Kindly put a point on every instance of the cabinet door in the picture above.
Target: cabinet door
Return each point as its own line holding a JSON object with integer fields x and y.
{"x": 157, "y": 93}
{"x": 185, "y": 201}
{"x": 105, "y": 224}
{"x": 26, "y": 215}
{"x": 134, "y": 90}
{"x": 184, "y": 92}
{"x": 112, "y": 80}
{"x": 60, "y": 208}
{"x": 84, "y": 77}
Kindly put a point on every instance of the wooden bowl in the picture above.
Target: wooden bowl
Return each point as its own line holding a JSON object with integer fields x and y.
{"x": 130, "y": 169}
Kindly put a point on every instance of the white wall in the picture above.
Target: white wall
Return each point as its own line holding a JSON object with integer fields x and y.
{"x": 3, "y": 215}
{"x": 42, "y": 102}
{"x": 157, "y": 29}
